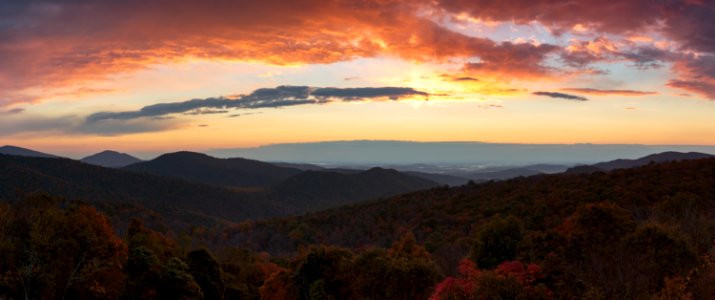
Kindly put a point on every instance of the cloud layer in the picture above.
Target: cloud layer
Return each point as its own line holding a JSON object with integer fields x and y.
{"x": 280, "y": 96}
{"x": 47, "y": 44}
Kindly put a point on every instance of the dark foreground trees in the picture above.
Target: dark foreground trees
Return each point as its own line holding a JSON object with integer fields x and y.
{"x": 55, "y": 249}
{"x": 52, "y": 249}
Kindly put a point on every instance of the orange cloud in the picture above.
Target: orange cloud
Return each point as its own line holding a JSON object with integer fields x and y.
{"x": 70, "y": 44}
{"x": 591, "y": 91}
{"x": 696, "y": 74}
{"x": 47, "y": 45}
{"x": 704, "y": 88}
{"x": 509, "y": 61}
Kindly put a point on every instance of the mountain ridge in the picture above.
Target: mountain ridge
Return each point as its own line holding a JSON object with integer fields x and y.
{"x": 638, "y": 162}
{"x": 232, "y": 172}
{"x": 19, "y": 151}
{"x": 326, "y": 188}
{"x": 99, "y": 185}
{"x": 110, "y": 159}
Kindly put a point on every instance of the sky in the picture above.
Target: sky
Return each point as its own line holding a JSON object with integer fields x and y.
{"x": 165, "y": 75}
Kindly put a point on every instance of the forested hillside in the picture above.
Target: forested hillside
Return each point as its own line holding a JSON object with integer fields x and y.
{"x": 617, "y": 234}
{"x": 313, "y": 190}
{"x": 637, "y": 233}
{"x": 172, "y": 198}
{"x": 185, "y": 200}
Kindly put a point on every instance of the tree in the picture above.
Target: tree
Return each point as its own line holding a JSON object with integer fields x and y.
{"x": 279, "y": 285}
{"x": 592, "y": 261}
{"x": 207, "y": 273}
{"x": 62, "y": 250}
{"x": 244, "y": 272}
{"x": 405, "y": 271}
{"x": 322, "y": 271}
{"x": 654, "y": 253}
{"x": 177, "y": 283}
{"x": 497, "y": 241}
{"x": 598, "y": 227}
{"x": 143, "y": 271}
{"x": 139, "y": 235}
{"x": 510, "y": 280}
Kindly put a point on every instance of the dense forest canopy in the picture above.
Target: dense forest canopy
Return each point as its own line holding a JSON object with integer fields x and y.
{"x": 633, "y": 233}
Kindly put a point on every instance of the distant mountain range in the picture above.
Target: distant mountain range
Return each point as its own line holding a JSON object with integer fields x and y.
{"x": 376, "y": 153}
{"x": 173, "y": 198}
{"x": 653, "y": 158}
{"x": 111, "y": 159}
{"x": 301, "y": 190}
{"x": 247, "y": 173}
{"x": 13, "y": 150}
{"x": 187, "y": 187}
{"x": 194, "y": 186}
{"x": 632, "y": 163}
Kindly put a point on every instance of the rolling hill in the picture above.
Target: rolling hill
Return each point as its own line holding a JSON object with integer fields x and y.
{"x": 188, "y": 197}
{"x": 320, "y": 189}
{"x": 111, "y": 159}
{"x": 13, "y": 150}
{"x": 632, "y": 163}
{"x": 655, "y": 158}
{"x": 444, "y": 218}
{"x": 648, "y": 223}
{"x": 445, "y": 179}
{"x": 565, "y": 233}
{"x": 230, "y": 172}
{"x": 98, "y": 185}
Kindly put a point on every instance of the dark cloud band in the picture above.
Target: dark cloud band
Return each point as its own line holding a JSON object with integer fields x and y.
{"x": 561, "y": 95}
{"x": 592, "y": 91}
{"x": 280, "y": 96}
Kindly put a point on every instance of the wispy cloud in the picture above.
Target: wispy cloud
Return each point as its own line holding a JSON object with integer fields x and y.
{"x": 561, "y": 95}
{"x": 280, "y": 96}
{"x": 12, "y": 111}
{"x": 450, "y": 77}
{"x": 69, "y": 125}
{"x": 592, "y": 91}
{"x": 206, "y": 111}
{"x": 704, "y": 88}
{"x": 35, "y": 124}
{"x": 466, "y": 78}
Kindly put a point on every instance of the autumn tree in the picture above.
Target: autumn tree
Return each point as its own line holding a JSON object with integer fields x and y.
{"x": 322, "y": 272}
{"x": 244, "y": 272}
{"x": 654, "y": 253}
{"x": 509, "y": 280}
{"x": 497, "y": 241}
{"x": 143, "y": 271}
{"x": 176, "y": 282}
{"x": 207, "y": 273}
{"x": 405, "y": 271}
{"x": 60, "y": 250}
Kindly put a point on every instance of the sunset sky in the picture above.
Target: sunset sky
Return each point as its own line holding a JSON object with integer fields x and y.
{"x": 143, "y": 76}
